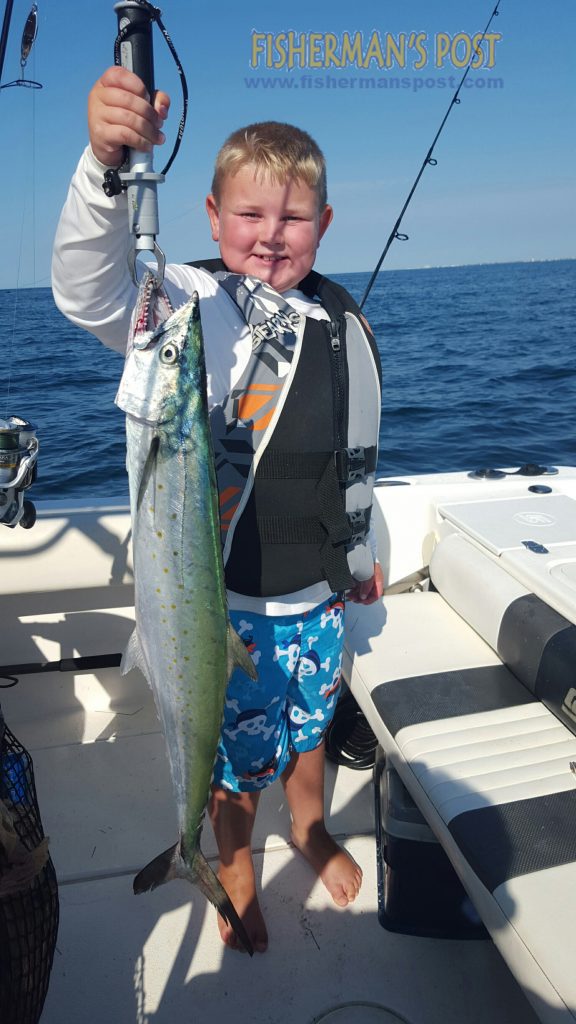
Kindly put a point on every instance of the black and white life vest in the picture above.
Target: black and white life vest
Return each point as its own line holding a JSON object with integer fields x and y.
{"x": 296, "y": 442}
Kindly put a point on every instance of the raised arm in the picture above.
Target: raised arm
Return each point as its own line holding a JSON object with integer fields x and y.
{"x": 90, "y": 278}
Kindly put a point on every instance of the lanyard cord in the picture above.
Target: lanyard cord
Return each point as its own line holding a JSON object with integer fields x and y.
{"x": 428, "y": 160}
{"x": 155, "y": 15}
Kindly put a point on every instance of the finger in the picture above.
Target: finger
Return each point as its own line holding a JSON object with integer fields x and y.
{"x": 113, "y": 99}
{"x": 162, "y": 104}
{"x": 134, "y": 129}
{"x": 114, "y": 126}
{"x": 124, "y": 79}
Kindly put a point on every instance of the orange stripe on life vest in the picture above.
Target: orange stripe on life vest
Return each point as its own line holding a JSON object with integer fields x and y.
{"x": 228, "y": 494}
{"x": 262, "y": 423}
{"x": 227, "y": 515}
{"x": 250, "y": 405}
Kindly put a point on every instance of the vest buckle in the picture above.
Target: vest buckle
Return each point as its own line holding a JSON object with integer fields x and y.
{"x": 350, "y": 464}
{"x": 359, "y": 524}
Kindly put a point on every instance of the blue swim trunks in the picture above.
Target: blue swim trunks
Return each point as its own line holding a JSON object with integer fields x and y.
{"x": 299, "y": 662}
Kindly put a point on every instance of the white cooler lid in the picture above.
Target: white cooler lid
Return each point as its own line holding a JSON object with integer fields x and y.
{"x": 502, "y": 524}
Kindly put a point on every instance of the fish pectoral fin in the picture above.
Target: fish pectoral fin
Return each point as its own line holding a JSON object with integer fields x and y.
{"x": 163, "y": 868}
{"x": 147, "y": 470}
{"x": 133, "y": 656}
{"x": 238, "y": 656}
{"x": 171, "y": 864}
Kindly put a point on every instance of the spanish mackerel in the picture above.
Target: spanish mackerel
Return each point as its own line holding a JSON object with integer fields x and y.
{"x": 183, "y": 641}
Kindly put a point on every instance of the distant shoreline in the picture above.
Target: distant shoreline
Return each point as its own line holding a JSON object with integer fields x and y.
{"x": 456, "y": 266}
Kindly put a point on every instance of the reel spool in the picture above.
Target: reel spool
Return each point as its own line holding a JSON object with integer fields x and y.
{"x": 18, "y": 458}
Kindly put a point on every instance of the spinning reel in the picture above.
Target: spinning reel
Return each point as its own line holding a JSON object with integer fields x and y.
{"x": 18, "y": 458}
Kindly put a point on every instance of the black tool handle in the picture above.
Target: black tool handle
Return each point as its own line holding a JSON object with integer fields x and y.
{"x": 136, "y": 49}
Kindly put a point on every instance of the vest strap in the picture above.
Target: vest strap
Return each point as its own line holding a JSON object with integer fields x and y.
{"x": 290, "y": 530}
{"x": 277, "y": 464}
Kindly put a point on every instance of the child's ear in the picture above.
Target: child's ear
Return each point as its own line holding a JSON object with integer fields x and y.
{"x": 325, "y": 220}
{"x": 213, "y": 216}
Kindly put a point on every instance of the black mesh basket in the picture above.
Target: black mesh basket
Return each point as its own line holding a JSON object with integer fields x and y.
{"x": 29, "y": 908}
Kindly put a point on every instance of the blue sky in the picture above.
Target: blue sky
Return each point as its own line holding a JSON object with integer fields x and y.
{"x": 503, "y": 188}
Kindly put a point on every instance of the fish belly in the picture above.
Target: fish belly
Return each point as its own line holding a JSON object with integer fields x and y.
{"x": 182, "y": 619}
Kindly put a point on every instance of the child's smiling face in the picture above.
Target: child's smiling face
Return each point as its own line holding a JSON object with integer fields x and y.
{"x": 267, "y": 230}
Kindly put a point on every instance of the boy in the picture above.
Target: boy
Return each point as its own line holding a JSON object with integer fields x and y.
{"x": 275, "y": 358}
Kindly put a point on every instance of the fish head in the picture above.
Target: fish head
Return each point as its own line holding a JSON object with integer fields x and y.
{"x": 164, "y": 374}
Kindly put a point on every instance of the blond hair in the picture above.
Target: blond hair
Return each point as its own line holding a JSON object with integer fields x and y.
{"x": 278, "y": 151}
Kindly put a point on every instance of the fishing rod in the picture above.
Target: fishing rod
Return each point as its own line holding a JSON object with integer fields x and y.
{"x": 134, "y": 50}
{"x": 5, "y": 30}
{"x": 429, "y": 160}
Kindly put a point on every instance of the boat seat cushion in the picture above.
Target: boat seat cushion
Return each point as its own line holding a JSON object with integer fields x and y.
{"x": 534, "y": 640}
{"x": 489, "y": 767}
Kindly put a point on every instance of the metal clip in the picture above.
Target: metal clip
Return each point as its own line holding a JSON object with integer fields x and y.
{"x": 160, "y": 264}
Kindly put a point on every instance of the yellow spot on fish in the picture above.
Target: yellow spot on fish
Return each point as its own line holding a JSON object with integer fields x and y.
{"x": 159, "y": 533}
{"x": 172, "y": 605}
{"x": 166, "y": 570}
{"x": 174, "y": 515}
{"x": 162, "y": 605}
{"x": 160, "y": 487}
{"x": 186, "y": 658}
{"x": 158, "y": 591}
{"x": 180, "y": 586}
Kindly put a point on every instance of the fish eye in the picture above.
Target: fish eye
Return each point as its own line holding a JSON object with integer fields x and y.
{"x": 169, "y": 354}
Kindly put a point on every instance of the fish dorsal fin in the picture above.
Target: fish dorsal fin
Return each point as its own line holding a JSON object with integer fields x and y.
{"x": 238, "y": 656}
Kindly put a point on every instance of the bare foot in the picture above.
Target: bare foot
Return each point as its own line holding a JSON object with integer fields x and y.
{"x": 334, "y": 866}
{"x": 240, "y": 884}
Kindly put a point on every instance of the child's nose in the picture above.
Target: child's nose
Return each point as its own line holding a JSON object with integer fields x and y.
{"x": 271, "y": 230}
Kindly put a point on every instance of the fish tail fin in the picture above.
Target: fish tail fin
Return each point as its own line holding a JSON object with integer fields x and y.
{"x": 171, "y": 864}
{"x": 202, "y": 875}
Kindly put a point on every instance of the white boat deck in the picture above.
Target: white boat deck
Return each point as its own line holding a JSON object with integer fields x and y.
{"x": 106, "y": 802}
{"x": 107, "y": 805}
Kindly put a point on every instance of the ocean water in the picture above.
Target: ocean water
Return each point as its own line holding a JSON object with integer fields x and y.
{"x": 479, "y": 369}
